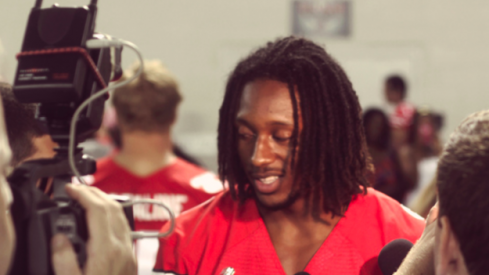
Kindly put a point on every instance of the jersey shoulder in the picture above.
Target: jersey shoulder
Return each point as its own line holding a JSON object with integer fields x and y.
{"x": 193, "y": 176}
{"x": 207, "y": 229}
{"x": 371, "y": 221}
{"x": 106, "y": 168}
{"x": 192, "y": 226}
{"x": 394, "y": 219}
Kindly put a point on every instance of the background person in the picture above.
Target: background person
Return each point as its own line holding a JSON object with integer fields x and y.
{"x": 115, "y": 139}
{"x": 426, "y": 148}
{"x": 388, "y": 176}
{"x": 145, "y": 167}
{"x": 401, "y": 113}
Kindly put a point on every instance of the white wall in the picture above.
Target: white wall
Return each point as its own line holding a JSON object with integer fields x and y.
{"x": 441, "y": 46}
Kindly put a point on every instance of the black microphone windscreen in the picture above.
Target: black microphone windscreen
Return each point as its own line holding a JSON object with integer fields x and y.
{"x": 392, "y": 255}
{"x": 302, "y": 273}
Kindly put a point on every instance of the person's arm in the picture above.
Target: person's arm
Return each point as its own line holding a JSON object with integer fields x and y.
{"x": 420, "y": 259}
{"x": 109, "y": 248}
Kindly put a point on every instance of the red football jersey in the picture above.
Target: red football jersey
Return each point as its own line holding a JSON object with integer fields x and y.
{"x": 220, "y": 235}
{"x": 180, "y": 185}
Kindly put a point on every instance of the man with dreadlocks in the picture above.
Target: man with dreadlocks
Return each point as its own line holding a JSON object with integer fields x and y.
{"x": 292, "y": 149}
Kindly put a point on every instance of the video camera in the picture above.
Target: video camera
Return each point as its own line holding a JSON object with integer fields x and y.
{"x": 58, "y": 72}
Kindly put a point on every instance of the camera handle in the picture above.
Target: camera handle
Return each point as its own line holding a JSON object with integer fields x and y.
{"x": 38, "y": 4}
{"x": 136, "y": 235}
{"x": 33, "y": 211}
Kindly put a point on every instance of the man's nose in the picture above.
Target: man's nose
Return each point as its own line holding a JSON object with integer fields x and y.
{"x": 263, "y": 153}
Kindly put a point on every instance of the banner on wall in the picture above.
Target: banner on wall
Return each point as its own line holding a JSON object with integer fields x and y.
{"x": 321, "y": 18}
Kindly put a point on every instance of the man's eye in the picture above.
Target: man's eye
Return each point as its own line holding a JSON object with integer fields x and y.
{"x": 281, "y": 139}
{"x": 245, "y": 132}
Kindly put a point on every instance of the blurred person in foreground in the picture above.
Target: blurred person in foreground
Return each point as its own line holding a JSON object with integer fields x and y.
{"x": 27, "y": 137}
{"x": 292, "y": 148}
{"x": 456, "y": 240}
{"x": 388, "y": 177}
{"x": 109, "y": 248}
{"x": 145, "y": 166}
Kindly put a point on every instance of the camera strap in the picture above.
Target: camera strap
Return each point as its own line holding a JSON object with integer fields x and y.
{"x": 77, "y": 50}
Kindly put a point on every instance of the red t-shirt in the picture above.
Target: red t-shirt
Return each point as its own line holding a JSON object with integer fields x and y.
{"x": 402, "y": 116}
{"x": 180, "y": 185}
{"x": 220, "y": 234}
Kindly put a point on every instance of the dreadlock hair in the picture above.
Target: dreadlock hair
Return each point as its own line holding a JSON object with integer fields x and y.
{"x": 331, "y": 161}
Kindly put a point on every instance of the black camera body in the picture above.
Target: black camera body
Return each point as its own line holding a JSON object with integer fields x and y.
{"x": 48, "y": 77}
{"x": 57, "y": 72}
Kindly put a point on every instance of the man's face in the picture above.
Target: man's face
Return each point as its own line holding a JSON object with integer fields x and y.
{"x": 7, "y": 235}
{"x": 374, "y": 128}
{"x": 448, "y": 256}
{"x": 265, "y": 123}
{"x": 437, "y": 248}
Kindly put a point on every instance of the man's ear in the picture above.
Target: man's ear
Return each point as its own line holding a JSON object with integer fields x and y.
{"x": 451, "y": 260}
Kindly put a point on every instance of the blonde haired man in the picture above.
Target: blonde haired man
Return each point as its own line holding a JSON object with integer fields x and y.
{"x": 145, "y": 166}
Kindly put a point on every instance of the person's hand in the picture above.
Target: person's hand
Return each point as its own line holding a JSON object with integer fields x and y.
{"x": 109, "y": 248}
{"x": 420, "y": 259}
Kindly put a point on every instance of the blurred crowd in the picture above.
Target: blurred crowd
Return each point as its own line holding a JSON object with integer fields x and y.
{"x": 404, "y": 145}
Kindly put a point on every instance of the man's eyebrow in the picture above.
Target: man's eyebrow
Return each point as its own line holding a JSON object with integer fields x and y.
{"x": 272, "y": 123}
{"x": 244, "y": 122}
{"x": 280, "y": 123}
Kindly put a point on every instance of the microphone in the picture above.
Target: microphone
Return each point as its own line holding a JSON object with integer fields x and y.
{"x": 302, "y": 273}
{"x": 392, "y": 255}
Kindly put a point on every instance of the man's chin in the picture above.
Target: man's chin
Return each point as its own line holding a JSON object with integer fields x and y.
{"x": 267, "y": 204}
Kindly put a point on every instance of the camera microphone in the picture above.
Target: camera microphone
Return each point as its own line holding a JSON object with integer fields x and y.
{"x": 392, "y": 255}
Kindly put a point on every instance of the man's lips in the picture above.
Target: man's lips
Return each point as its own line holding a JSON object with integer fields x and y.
{"x": 267, "y": 180}
{"x": 267, "y": 184}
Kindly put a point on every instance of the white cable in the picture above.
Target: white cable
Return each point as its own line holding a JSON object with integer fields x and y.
{"x": 141, "y": 234}
{"x": 100, "y": 43}
{"x": 104, "y": 43}
{"x": 96, "y": 43}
